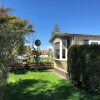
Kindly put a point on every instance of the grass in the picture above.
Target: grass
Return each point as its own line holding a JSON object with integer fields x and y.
{"x": 44, "y": 59}
{"x": 43, "y": 86}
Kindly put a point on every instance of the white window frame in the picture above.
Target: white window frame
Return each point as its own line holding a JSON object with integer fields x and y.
{"x": 94, "y": 41}
{"x": 60, "y": 48}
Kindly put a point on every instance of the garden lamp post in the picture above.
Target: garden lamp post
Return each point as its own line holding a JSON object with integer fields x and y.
{"x": 37, "y": 43}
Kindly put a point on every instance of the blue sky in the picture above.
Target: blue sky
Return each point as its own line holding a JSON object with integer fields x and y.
{"x": 75, "y": 16}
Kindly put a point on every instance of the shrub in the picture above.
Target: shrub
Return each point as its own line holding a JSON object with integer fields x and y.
{"x": 84, "y": 66}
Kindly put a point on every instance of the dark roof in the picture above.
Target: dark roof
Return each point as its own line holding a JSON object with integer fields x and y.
{"x": 60, "y": 35}
{"x": 65, "y": 35}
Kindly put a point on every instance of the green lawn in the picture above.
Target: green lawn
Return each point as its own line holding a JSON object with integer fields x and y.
{"x": 43, "y": 86}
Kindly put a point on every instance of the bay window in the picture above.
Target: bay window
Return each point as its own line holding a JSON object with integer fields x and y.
{"x": 60, "y": 50}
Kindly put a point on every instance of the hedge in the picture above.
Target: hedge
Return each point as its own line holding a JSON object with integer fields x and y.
{"x": 84, "y": 66}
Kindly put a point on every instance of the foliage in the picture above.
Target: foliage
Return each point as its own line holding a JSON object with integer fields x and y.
{"x": 4, "y": 11}
{"x": 43, "y": 86}
{"x": 44, "y": 59}
{"x": 36, "y": 54}
{"x": 12, "y": 31}
{"x": 83, "y": 66}
{"x": 50, "y": 54}
{"x": 56, "y": 29}
{"x": 32, "y": 60}
{"x": 22, "y": 50}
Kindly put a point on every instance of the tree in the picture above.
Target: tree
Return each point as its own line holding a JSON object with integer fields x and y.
{"x": 36, "y": 54}
{"x": 22, "y": 50}
{"x": 50, "y": 54}
{"x": 56, "y": 29}
{"x": 12, "y": 31}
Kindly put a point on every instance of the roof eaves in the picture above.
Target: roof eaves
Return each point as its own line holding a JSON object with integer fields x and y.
{"x": 86, "y": 35}
{"x": 59, "y": 35}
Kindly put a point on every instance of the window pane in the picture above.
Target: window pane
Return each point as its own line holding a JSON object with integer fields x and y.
{"x": 64, "y": 44}
{"x": 85, "y": 41}
{"x": 94, "y": 42}
{"x": 57, "y": 50}
{"x": 68, "y": 43}
{"x": 63, "y": 53}
{"x": 57, "y": 54}
{"x": 63, "y": 48}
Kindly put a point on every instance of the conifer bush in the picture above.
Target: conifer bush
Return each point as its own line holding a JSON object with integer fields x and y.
{"x": 84, "y": 66}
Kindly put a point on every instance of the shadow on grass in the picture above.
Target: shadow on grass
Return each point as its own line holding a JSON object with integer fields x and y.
{"x": 19, "y": 71}
{"x": 44, "y": 90}
{"x": 24, "y": 71}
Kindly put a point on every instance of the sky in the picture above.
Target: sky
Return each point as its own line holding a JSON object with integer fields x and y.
{"x": 75, "y": 16}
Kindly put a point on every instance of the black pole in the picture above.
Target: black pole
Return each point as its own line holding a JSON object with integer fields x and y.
{"x": 37, "y": 43}
{"x": 37, "y": 56}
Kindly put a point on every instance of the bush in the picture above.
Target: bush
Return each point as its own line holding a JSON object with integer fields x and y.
{"x": 3, "y": 77}
{"x": 84, "y": 66}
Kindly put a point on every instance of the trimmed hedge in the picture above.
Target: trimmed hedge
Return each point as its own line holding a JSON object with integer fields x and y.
{"x": 84, "y": 66}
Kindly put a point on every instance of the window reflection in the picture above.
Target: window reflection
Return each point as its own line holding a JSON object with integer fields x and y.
{"x": 57, "y": 50}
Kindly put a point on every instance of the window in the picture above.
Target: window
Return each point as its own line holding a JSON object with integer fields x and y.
{"x": 63, "y": 49}
{"x": 63, "y": 53}
{"x": 94, "y": 42}
{"x": 85, "y": 41}
{"x": 68, "y": 43}
{"x": 57, "y": 50}
{"x": 60, "y": 50}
